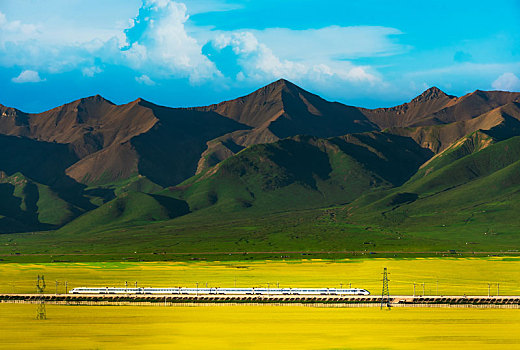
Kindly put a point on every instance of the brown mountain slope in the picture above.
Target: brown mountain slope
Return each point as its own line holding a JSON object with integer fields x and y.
{"x": 430, "y": 101}
{"x": 93, "y": 123}
{"x": 103, "y": 137}
{"x": 279, "y": 110}
{"x": 170, "y": 151}
{"x": 168, "y": 145}
{"x": 501, "y": 122}
{"x": 13, "y": 122}
{"x": 434, "y": 107}
{"x": 287, "y": 110}
{"x": 88, "y": 124}
{"x": 469, "y": 106}
{"x": 164, "y": 144}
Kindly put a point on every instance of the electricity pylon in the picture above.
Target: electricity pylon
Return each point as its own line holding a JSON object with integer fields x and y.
{"x": 41, "y": 313}
{"x": 385, "y": 294}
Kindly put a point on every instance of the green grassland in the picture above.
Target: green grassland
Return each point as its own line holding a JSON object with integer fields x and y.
{"x": 305, "y": 231}
{"x": 304, "y": 194}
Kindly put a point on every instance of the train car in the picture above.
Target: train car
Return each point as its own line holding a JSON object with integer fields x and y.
{"x": 221, "y": 291}
{"x": 350, "y": 291}
{"x": 235, "y": 291}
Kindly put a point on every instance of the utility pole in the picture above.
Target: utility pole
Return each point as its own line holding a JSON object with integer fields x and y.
{"x": 385, "y": 294}
{"x": 489, "y": 290}
{"x": 414, "y": 289}
{"x": 197, "y": 293}
{"x": 66, "y": 287}
{"x": 498, "y": 289}
{"x": 56, "y": 290}
{"x": 135, "y": 284}
{"x": 423, "y": 290}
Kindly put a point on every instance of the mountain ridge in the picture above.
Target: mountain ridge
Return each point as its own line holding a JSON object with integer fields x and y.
{"x": 89, "y": 152}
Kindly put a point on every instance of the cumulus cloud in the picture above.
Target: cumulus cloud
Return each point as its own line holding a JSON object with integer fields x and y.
{"x": 155, "y": 43}
{"x": 90, "y": 71}
{"x": 27, "y": 76}
{"x": 507, "y": 82}
{"x": 260, "y": 62}
{"x": 31, "y": 46}
{"x": 145, "y": 79}
{"x": 158, "y": 43}
{"x": 256, "y": 59}
{"x": 15, "y": 30}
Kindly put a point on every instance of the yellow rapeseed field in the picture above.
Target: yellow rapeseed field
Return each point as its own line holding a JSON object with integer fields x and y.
{"x": 267, "y": 326}
{"x": 443, "y": 276}
{"x": 256, "y": 327}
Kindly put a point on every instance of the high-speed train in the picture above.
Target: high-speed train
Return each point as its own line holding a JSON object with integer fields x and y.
{"x": 222, "y": 291}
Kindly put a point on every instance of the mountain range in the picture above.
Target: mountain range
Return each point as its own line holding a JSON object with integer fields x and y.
{"x": 93, "y": 166}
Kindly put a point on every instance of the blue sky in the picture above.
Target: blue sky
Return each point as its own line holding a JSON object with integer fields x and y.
{"x": 198, "y": 52}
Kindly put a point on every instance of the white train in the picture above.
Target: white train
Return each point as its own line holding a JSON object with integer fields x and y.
{"x": 222, "y": 291}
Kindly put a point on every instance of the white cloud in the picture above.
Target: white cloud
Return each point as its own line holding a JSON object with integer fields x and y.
{"x": 90, "y": 71}
{"x": 15, "y": 30}
{"x": 507, "y": 82}
{"x": 204, "y": 6}
{"x": 259, "y": 62}
{"x": 334, "y": 42}
{"x": 158, "y": 43}
{"x": 26, "y": 45}
{"x": 145, "y": 79}
{"x": 256, "y": 59}
{"x": 27, "y": 76}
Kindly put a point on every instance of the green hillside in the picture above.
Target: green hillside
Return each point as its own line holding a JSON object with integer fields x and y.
{"x": 129, "y": 208}
{"x": 306, "y": 194}
{"x": 302, "y": 173}
{"x": 466, "y": 191}
{"x": 28, "y": 205}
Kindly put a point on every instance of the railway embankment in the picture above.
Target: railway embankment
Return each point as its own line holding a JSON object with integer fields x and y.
{"x": 323, "y": 300}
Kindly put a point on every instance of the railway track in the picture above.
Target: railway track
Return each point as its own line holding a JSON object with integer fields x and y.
{"x": 263, "y": 299}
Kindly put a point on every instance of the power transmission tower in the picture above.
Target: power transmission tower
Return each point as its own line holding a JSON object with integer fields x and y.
{"x": 385, "y": 294}
{"x": 41, "y": 313}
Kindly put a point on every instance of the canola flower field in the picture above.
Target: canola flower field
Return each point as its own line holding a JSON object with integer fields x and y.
{"x": 433, "y": 276}
{"x": 266, "y": 326}
{"x": 256, "y": 327}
